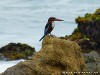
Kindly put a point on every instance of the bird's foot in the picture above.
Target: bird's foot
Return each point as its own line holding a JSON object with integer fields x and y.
{"x": 52, "y": 35}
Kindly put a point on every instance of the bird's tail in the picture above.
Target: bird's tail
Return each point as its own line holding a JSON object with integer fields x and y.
{"x": 42, "y": 37}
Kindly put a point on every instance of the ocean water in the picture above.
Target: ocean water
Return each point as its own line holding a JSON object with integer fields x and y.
{"x": 24, "y": 20}
{"x": 4, "y": 65}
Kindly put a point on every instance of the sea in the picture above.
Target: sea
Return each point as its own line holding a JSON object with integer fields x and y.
{"x": 23, "y": 21}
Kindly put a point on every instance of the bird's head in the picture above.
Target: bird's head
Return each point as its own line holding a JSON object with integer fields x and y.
{"x": 54, "y": 19}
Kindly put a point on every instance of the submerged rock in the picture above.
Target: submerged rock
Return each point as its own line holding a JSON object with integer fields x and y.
{"x": 14, "y": 51}
{"x": 56, "y": 57}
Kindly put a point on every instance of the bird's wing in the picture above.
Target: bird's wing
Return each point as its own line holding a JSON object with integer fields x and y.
{"x": 46, "y": 29}
{"x": 47, "y": 25}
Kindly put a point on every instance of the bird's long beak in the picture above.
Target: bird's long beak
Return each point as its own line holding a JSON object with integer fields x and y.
{"x": 58, "y": 19}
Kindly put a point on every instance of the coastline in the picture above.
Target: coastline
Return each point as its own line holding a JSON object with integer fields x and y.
{"x": 84, "y": 39}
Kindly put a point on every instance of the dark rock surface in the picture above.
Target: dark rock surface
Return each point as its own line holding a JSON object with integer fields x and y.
{"x": 86, "y": 44}
{"x": 14, "y": 51}
{"x": 56, "y": 57}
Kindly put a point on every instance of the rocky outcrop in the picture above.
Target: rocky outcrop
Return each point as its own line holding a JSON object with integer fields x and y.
{"x": 87, "y": 33}
{"x": 14, "y": 51}
{"x": 90, "y": 25}
{"x": 56, "y": 57}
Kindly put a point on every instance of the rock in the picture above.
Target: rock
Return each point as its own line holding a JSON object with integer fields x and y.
{"x": 90, "y": 25}
{"x": 92, "y": 60}
{"x": 91, "y": 57}
{"x": 14, "y": 51}
{"x": 86, "y": 44}
{"x": 87, "y": 33}
{"x": 56, "y": 57}
{"x": 93, "y": 67}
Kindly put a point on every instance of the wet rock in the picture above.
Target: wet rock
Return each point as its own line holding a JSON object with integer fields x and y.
{"x": 15, "y": 51}
{"x": 55, "y": 57}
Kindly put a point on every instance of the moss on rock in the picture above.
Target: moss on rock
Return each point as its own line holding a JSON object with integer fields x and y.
{"x": 56, "y": 57}
{"x": 89, "y": 17}
{"x": 14, "y": 51}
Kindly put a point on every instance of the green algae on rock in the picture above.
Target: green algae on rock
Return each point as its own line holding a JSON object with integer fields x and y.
{"x": 89, "y": 25}
{"x": 14, "y": 51}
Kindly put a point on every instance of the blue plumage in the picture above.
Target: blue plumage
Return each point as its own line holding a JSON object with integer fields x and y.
{"x": 45, "y": 31}
{"x": 49, "y": 26}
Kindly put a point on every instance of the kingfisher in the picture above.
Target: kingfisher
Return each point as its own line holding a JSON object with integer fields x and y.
{"x": 50, "y": 26}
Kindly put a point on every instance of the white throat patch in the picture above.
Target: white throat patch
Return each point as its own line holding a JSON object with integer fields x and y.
{"x": 53, "y": 24}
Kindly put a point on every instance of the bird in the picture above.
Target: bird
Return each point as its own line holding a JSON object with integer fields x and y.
{"x": 50, "y": 26}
